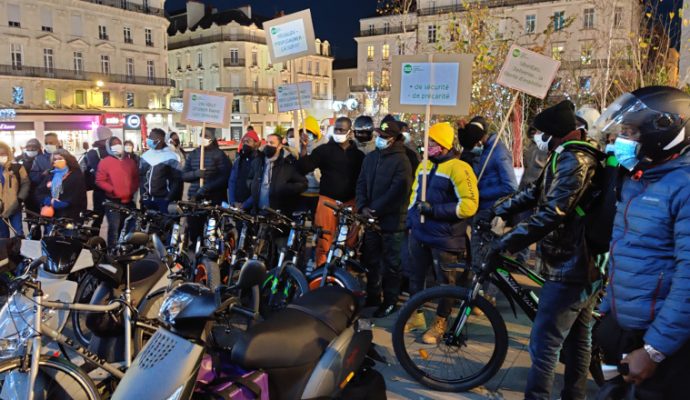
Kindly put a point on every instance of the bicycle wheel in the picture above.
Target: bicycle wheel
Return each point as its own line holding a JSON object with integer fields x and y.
{"x": 455, "y": 363}
{"x": 339, "y": 277}
{"x": 87, "y": 285}
{"x": 57, "y": 380}
{"x": 279, "y": 291}
{"x": 207, "y": 272}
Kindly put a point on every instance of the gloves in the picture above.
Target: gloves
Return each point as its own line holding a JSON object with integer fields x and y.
{"x": 201, "y": 174}
{"x": 425, "y": 208}
{"x": 485, "y": 215}
{"x": 202, "y": 192}
{"x": 367, "y": 212}
{"x": 493, "y": 255}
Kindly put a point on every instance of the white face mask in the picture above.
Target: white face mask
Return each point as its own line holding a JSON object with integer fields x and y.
{"x": 51, "y": 148}
{"x": 3, "y": 159}
{"x": 539, "y": 141}
{"x": 206, "y": 142}
{"x": 116, "y": 149}
{"x": 340, "y": 138}
{"x": 129, "y": 149}
{"x": 31, "y": 153}
{"x": 291, "y": 142}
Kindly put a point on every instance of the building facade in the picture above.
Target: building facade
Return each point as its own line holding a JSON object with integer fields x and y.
{"x": 68, "y": 66}
{"x": 226, "y": 51}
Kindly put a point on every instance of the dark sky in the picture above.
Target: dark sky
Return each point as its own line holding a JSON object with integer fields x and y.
{"x": 335, "y": 21}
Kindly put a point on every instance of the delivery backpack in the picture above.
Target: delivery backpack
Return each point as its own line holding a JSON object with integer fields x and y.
{"x": 599, "y": 207}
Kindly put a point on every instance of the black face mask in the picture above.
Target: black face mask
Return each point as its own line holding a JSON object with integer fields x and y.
{"x": 364, "y": 136}
{"x": 270, "y": 151}
{"x": 246, "y": 150}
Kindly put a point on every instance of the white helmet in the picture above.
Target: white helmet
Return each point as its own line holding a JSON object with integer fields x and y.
{"x": 590, "y": 115}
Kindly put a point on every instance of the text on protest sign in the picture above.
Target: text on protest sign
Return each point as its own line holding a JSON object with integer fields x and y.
{"x": 204, "y": 107}
{"x": 288, "y": 99}
{"x": 291, "y": 36}
{"x": 528, "y": 72}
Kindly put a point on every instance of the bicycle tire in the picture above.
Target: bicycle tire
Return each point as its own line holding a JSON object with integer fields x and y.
{"x": 88, "y": 281}
{"x": 211, "y": 273}
{"x": 66, "y": 369}
{"x": 291, "y": 275}
{"x": 339, "y": 277}
{"x": 465, "y": 384}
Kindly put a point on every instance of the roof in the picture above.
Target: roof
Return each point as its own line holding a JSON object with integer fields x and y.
{"x": 344, "y": 63}
{"x": 178, "y": 22}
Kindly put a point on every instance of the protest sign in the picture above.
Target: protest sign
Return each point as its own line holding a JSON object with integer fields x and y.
{"x": 290, "y": 36}
{"x": 528, "y": 72}
{"x": 206, "y": 108}
{"x": 289, "y": 99}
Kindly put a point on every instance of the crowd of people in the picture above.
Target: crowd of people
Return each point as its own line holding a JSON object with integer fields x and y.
{"x": 378, "y": 171}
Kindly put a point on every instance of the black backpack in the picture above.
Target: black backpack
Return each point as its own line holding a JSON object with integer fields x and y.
{"x": 89, "y": 165}
{"x": 599, "y": 207}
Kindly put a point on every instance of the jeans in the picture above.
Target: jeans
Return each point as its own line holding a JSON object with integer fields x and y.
{"x": 563, "y": 325}
{"x": 115, "y": 221}
{"x": 156, "y": 204}
{"x": 16, "y": 222}
{"x": 381, "y": 257}
{"x": 98, "y": 207}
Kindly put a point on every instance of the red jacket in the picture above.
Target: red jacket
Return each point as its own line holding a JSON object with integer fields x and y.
{"x": 118, "y": 178}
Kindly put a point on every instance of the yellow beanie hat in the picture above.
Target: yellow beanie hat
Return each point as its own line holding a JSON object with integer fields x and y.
{"x": 312, "y": 125}
{"x": 443, "y": 134}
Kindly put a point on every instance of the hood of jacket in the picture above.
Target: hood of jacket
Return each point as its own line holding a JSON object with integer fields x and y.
{"x": 658, "y": 171}
{"x": 109, "y": 144}
{"x": 8, "y": 150}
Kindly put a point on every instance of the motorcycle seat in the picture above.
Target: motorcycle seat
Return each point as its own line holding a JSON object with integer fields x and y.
{"x": 297, "y": 335}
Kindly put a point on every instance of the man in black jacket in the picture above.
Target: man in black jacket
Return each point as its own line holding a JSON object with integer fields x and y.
{"x": 572, "y": 279}
{"x": 238, "y": 189}
{"x": 383, "y": 190}
{"x": 89, "y": 166}
{"x": 274, "y": 179}
{"x": 160, "y": 175}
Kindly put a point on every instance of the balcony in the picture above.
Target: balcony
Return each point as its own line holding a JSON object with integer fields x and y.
{"x": 247, "y": 91}
{"x": 485, "y": 3}
{"x": 129, "y": 6}
{"x": 221, "y": 37}
{"x": 386, "y": 30}
{"x": 234, "y": 62}
{"x": 68, "y": 74}
{"x": 363, "y": 88}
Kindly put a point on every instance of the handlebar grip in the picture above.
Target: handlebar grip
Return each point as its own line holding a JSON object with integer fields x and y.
{"x": 243, "y": 311}
{"x": 332, "y": 206}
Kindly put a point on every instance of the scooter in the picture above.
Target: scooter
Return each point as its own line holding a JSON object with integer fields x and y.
{"x": 314, "y": 348}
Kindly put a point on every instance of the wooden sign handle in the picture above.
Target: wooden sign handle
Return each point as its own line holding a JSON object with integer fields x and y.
{"x": 201, "y": 158}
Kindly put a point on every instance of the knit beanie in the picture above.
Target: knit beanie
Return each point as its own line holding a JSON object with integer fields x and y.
{"x": 472, "y": 132}
{"x": 558, "y": 120}
{"x": 103, "y": 133}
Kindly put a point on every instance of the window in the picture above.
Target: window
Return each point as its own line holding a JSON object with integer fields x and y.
{"x": 50, "y": 97}
{"x": 270, "y": 107}
{"x": 46, "y": 19}
{"x": 431, "y": 34}
{"x": 530, "y": 23}
{"x": 17, "y": 56}
{"x": 78, "y": 62}
{"x": 76, "y": 25}
{"x": 150, "y": 70}
{"x": 309, "y": 67}
{"x": 123, "y": 4}
{"x": 13, "y": 16}
{"x": 588, "y": 21}
{"x": 371, "y": 29}
{"x": 385, "y": 77}
{"x": 148, "y": 37}
{"x": 453, "y": 32}
{"x": 256, "y": 107}
{"x": 17, "y": 95}
{"x": 255, "y": 58}
{"x": 234, "y": 56}
{"x": 105, "y": 64}
{"x": 318, "y": 68}
{"x": 129, "y": 99}
{"x": 106, "y": 99}
{"x": 349, "y": 82}
{"x": 317, "y": 89}
{"x": 401, "y": 49}
{"x": 102, "y": 32}
{"x": 48, "y": 60}
{"x": 179, "y": 62}
{"x": 201, "y": 83}
{"x": 386, "y": 51}
{"x": 200, "y": 59}
{"x": 586, "y": 54}
{"x": 129, "y": 67}
{"x": 618, "y": 17}
{"x": 370, "y": 53}
{"x": 79, "y": 97}
{"x": 235, "y": 105}
{"x": 586, "y": 83}
{"x": 557, "y": 51}
{"x": 127, "y": 31}
{"x": 386, "y": 27}
{"x": 256, "y": 83}
{"x": 370, "y": 78}
{"x": 558, "y": 20}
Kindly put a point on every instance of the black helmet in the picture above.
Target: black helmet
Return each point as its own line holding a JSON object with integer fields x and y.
{"x": 653, "y": 116}
{"x": 364, "y": 128}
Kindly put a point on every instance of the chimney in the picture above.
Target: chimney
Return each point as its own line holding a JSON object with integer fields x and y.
{"x": 195, "y": 12}
{"x": 247, "y": 10}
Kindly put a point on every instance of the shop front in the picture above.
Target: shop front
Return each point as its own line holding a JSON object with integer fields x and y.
{"x": 16, "y": 134}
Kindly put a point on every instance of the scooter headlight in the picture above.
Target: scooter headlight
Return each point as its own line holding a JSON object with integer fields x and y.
{"x": 172, "y": 306}
{"x": 16, "y": 325}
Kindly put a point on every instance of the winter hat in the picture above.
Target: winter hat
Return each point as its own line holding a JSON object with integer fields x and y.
{"x": 472, "y": 132}
{"x": 103, "y": 133}
{"x": 312, "y": 125}
{"x": 558, "y": 120}
{"x": 442, "y": 133}
{"x": 252, "y": 135}
{"x": 388, "y": 129}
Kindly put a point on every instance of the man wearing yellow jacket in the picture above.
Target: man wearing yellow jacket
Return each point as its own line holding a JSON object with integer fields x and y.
{"x": 452, "y": 198}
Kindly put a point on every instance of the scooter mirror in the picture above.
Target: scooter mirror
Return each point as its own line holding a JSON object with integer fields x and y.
{"x": 252, "y": 273}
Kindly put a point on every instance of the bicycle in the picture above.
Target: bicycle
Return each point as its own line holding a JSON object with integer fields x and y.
{"x": 456, "y": 347}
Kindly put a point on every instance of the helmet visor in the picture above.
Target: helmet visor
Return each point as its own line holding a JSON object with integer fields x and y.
{"x": 627, "y": 117}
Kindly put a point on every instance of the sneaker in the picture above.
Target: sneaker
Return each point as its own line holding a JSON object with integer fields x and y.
{"x": 416, "y": 322}
{"x": 385, "y": 310}
{"x": 436, "y": 332}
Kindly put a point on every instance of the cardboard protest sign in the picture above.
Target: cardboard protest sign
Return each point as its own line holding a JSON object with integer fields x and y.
{"x": 211, "y": 109}
{"x": 290, "y": 36}
{"x": 289, "y": 99}
{"x": 528, "y": 72}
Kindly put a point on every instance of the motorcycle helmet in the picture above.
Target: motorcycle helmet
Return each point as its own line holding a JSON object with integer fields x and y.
{"x": 654, "y": 117}
{"x": 363, "y": 128}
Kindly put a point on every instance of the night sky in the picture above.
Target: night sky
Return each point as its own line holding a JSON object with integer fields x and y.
{"x": 335, "y": 21}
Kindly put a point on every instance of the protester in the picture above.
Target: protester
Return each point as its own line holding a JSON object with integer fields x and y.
{"x": 174, "y": 145}
{"x": 36, "y": 163}
{"x": 14, "y": 188}
{"x": 451, "y": 199}
{"x": 469, "y": 135}
{"x": 275, "y": 180}
{"x": 89, "y": 166}
{"x": 160, "y": 174}
{"x": 65, "y": 186}
{"x": 364, "y": 134}
{"x": 130, "y": 151}
{"x": 412, "y": 154}
{"x": 310, "y": 139}
{"x": 647, "y": 312}
{"x": 238, "y": 186}
{"x": 382, "y": 189}
{"x": 572, "y": 279}
{"x": 118, "y": 178}
{"x": 340, "y": 162}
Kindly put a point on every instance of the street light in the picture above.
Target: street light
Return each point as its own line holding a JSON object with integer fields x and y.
{"x": 99, "y": 84}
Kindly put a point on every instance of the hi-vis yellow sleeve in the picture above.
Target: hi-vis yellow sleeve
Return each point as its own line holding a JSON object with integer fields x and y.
{"x": 465, "y": 184}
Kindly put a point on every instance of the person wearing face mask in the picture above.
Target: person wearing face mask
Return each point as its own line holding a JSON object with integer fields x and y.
{"x": 160, "y": 174}
{"x": 646, "y": 307}
{"x": 364, "y": 134}
{"x": 568, "y": 265}
{"x": 36, "y": 163}
{"x": 216, "y": 171}
{"x": 340, "y": 162}
{"x": 274, "y": 180}
{"x": 452, "y": 198}
{"x": 65, "y": 186}
{"x": 117, "y": 176}
{"x": 410, "y": 152}
{"x": 172, "y": 140}
{"x": 14, "y": 189}
{"x": 128, "y": 146}
{"x": 89, "y": 166}
{"x": 238, "y": 189}
{"x": 383, "y": 188}
{"x": 311, "y": 138}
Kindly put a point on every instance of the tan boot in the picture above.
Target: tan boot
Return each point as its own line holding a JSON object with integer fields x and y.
{"x": 416, "y": 322}
{"x": 435, "y": 333}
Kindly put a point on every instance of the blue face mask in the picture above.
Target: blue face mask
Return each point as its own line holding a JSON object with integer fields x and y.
{"x": 151, "y": 144}
{"x": 610, "y": 148}
{"x": 382, "y": 143}
{"x": 478, "y": 149}
{"x": 625, "y": 151}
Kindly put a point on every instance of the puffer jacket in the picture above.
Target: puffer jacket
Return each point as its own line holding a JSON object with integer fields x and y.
{"x": 384, "y": 184}
{"x": 117, "y": 177}
{"x": 555, "y": 224}
{"x": 452, "y": 190}
{"x": 649, "y": 287}
{"x": 499, "y": 177}
{"x": 238, "y": 189}
{"x": 13, "y": 189}
{"x": 216, "y": 173}
{"x": 37, "y": 169}
{"x": 285, "y": 186}
{"x": 160, "y": 174}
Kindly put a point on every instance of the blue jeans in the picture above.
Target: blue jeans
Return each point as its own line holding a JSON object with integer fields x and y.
{"x": 563, "y": 324}
{"x": 16, "y": 222}
{"x": 156, "y": 204}
{"x": 115, "y": 221}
